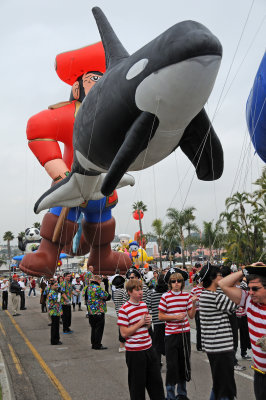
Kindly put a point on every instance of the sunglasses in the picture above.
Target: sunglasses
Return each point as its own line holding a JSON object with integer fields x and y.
{"x": 176, "y": 280}
{"x": 254, "y": 288}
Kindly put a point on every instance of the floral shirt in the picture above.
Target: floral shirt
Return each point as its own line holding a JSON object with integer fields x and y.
{"x": 54, "y": 305}
{"x": 66, "y": 288}
{"x": 97, "y": 299}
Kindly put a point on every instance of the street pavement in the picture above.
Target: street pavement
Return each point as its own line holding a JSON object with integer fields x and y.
{"x": 73, "y": 370}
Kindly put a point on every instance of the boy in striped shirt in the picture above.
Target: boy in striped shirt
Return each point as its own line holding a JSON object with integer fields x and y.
{"x": 254, "y": 302}
{"x": 174, "y": 307}
{"x": 143, "y": 367}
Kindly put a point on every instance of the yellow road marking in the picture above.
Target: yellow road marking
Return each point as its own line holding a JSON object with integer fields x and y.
{"x": 2, "y": 329}
{"x": 15, "y": 359}
{"x": 41, "y": 361}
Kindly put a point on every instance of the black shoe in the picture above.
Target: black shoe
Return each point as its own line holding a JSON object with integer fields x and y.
{"x": 182, "y": 397}
{"x": 199, "y": 349}
{"x": 49, "y": 324}
{"x": 56, "y": 344}
{"x": 99, "y": 348}
{"x": 15, "y": 315}
{"x": 25, "y": 308}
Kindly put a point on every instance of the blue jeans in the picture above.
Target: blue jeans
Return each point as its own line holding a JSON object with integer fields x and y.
{"x": 181, "y": 389}
{"x": 214, "y": 398}
{"x": 32, "y": 289}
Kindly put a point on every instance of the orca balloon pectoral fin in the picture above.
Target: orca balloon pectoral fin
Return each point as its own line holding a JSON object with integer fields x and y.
{"x": 70, "y": 192}
{"x": 203, "y": 147}
{"x": 127, "y": 180}
{"x": 136, "y": 140}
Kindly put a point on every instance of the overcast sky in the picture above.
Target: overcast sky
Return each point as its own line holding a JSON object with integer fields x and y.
{"x": 33, "y": 32}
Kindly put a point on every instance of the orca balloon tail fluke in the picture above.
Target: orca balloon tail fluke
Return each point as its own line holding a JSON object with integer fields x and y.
{"x": 114, "y": 50}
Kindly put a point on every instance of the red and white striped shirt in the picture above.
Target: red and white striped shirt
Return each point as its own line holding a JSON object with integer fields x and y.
{"x": 196, "y": 291}
{"x": 176, "y": 303}
{"x": 256, "y": 314}
{"x": 129, "y": 314}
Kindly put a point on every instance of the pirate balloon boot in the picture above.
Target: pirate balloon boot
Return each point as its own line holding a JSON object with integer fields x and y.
{"x": 102, "y": 257}
{"x": 44, "y": 261}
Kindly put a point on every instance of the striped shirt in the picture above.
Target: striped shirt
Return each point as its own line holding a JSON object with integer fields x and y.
{"x": 216, "y": 331}
{"x": 153, "y": 304}
{"x": 176, "y": 303}
{"x": 129, "y": 314}
{"x": 118, "y": 298}
{"x": 196, "y": 291}
{"x": 256, "y": 314}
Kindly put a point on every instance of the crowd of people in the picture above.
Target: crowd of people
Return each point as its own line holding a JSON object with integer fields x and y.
{"x": 153, "y": 311}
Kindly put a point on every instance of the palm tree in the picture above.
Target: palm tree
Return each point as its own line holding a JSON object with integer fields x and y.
{"x": 8, "y": 237}
{"x": 189, "y": 226}
{"x": 139, "y": 206}
{"x": 37, "y": 225}
{"x": 210, "y": 235}
{"x": 157, "y": 226}
{"x": 176, "y": 226}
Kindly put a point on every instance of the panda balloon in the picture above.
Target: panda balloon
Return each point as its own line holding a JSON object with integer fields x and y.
{"x": 31, "y": 241}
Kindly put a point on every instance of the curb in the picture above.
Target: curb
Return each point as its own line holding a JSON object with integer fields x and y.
{"x": 7, "y": 393}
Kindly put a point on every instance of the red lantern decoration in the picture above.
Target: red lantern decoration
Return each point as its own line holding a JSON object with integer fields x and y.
{"x": 59, "y": 263}
{"x": 137, "y": 214}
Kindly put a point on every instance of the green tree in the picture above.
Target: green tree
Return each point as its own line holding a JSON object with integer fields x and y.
{"x": 8, "y": 237}
{"x": 210, "y": 236}
{"x": 177, "y": 226}
{"x": 157, "y": 226}
{"x": 37, "y": 225}
{"x": 190, "y": 227}
{"x": 139, "y": 206}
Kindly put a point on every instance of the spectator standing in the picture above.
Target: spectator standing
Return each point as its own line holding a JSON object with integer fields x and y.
{"x": 22, "y": 293}
{"x": 77, "y": 287}
{"x": 55, "y": 311}
{"x": 66, "y": 295}
{"x": 4, "y": 290}
{"x": 216, "y": 333}
{"x": 32, "y": 287}
{"x": 158, "y": 337}
{"x": 174, "y": 307}
{"x": 15, "y": 294}
{"x": 43, "y": 298}
{"x": 97, "y": 308}
{"x": 196, "y": 291}
{"x": 118, "y": 296}
{"x": 143, "y": 367}
{"x": 254, "y": 302}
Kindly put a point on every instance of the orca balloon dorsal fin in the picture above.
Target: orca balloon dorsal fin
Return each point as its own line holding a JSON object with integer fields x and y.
{"x": 114, "y": 50}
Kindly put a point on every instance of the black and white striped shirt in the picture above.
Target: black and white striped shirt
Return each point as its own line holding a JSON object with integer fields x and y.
{"x": 118, "y": 298}
{"x": 216, "y": 332}
{"x": 153, "y": 303}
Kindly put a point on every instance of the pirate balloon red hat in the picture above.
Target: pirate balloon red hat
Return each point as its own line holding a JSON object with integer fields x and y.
{"x": 70, "y": 65}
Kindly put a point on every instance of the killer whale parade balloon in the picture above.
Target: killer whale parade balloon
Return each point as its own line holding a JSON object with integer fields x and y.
{"x": 144, "y": 107}
{"x": 256, "y": 111}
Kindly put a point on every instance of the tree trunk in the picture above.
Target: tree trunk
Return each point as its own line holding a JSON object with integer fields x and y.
{"x": 140, "y": 232}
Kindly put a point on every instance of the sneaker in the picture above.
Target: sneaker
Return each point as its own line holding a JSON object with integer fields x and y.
{"x": 121, "y": 349}
{"x": 246, "y": 357}
{"x": 238, "y": 367}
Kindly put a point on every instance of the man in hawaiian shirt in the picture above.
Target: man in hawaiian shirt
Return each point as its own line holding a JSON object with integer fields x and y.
{"x": 55, "y": 311}
{"x": 97, "y": 298}
{"x": 66, "y": 295}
